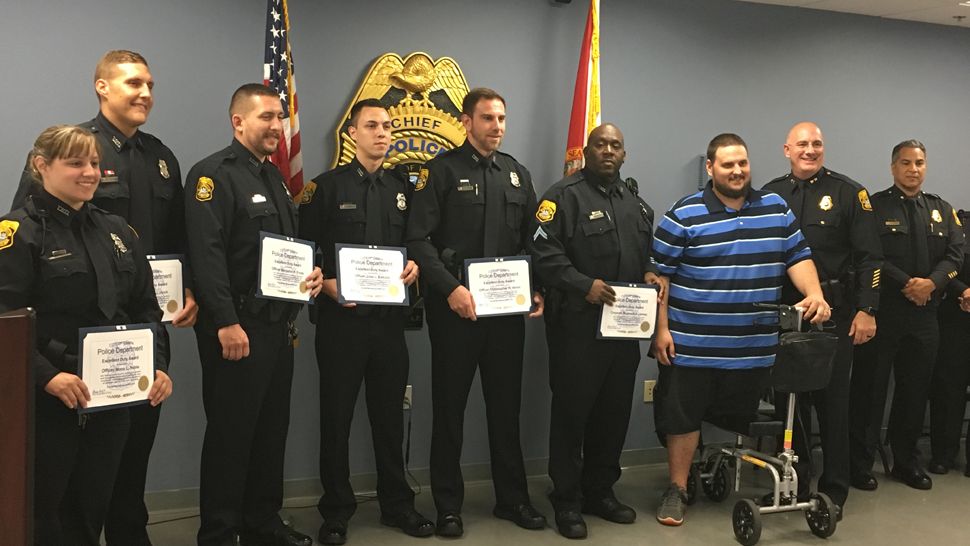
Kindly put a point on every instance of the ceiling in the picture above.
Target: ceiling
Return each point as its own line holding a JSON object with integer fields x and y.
{"x": 941, "y": 12}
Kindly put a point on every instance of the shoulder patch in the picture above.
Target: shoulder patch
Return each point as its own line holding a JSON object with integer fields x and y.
{"x": 7, "y": 230}
{"x": 307, "y": 194}
{"x": 956, "y": 217}
{"x": 204, "y": 188}
{"x": 422, "y": 180}
{"x": 546, "y": 211}
{"x": 864, "y": 200}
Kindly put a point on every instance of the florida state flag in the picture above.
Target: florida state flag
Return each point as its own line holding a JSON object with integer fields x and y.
{"x": 586, "y": 96}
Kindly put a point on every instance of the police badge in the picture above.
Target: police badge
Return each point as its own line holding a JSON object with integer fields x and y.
{"x": 402, "y": 202}
{"x": 163, "y": 169}
{"x": 936, "y": 216}
{"x": 514, "y": 178}
{"x": 826, "y": 202}
{"x": 119, "y": 244}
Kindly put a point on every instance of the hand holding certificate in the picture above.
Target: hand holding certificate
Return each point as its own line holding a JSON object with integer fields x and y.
{"x": 632, "y": 316}
{"x": 167, "y": 275}
{"x": 117, "y": 363}
{"x": 284, "y": 265}
{"x": 500, "y": 286}
{"x": 368, "y": 274}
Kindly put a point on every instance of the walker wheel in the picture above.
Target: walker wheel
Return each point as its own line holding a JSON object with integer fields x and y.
{"x": 716, "y": 487}
{"x": 821, "y": 520}
{"x": 746, "y": 521}
{"x": 692, "y": 477}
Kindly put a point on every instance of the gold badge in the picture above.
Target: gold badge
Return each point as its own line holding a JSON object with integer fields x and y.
{"x": 956, "y": 218}
{"x": 7, "y": 230}
{"x": 307, "y": 194}
{"x": 422, "y": 180}
{"x": 204, "y": 189}
{"x": 119, "y": 244}
{"x": 546, "y": 212}
{"x": 825, "y": 203}
{"x": 163, "y": 169}
{"x": 864, "y": 200}
{"x": 402, "y": 202}
{"x": 936, "y": 216}
{"x": 514, "y": 178}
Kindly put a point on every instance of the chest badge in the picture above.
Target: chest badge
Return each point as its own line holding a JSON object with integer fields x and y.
{"x": 163, "y": 169}
{"x": 826, "y": 203}
{"x": 936, "y": 216}
{"x": 7, "y": 230}
{"x": 119, "y": 244}
{"x": 402, "y": 202}
{"x": 514, "y": 179}
{"x": 204, "y": 188}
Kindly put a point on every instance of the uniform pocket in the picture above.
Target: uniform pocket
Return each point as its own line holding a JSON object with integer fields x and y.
{"x": 598, "y": 237}
{"x": 514, "y": 208}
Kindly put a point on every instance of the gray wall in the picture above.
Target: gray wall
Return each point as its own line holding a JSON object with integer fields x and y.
{"x": 675, "y": 72}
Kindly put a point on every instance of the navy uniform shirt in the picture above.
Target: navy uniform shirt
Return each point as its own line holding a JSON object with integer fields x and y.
{"x": 950, "y": 306}
{"x": 463, "y": 202}
{"x": 944, "y": 243}
{"x": 836, "y": 218}
{"x": 586, "y": 228}
{"x": 231, "y": 197}
{"x": 45, "y": 263}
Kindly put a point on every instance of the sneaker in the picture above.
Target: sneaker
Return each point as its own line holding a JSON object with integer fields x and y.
{"x": 672, "y": 506}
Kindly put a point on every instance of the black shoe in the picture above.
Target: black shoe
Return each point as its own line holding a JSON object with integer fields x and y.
{"x": 570, "y": 524}
{"x": 333, "y": 532}
{"x": 937, "y": 467}
{"x": 284, "y": 536}
{"x": 411, "y": 522}
{"x": 610, "y": 509}
{"x": 913, "y": 477}
{"x": 838, "y": 512}
{"x": 449, "y": 525}
{"x": 865, "y": 482}
{"x": 523, "y": 515}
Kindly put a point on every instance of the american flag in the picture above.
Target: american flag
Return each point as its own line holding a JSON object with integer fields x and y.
{"x": 278, "y": 74}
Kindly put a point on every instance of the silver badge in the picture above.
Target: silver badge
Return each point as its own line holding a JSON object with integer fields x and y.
{"x": 163, "y": 169}
{"x": 402, "y": 202}
{"x": 514, "y": 178}
{"x": 119, "y": 244}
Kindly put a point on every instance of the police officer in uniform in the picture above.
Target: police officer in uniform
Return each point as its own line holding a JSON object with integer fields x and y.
{"x": 141, "y": 182}
{"x": 923, "y": 247}
{"x": 948, "y": 394}
{"x": 361, "y": 203}
{"x": 245, "y": 343}
{"x": 473, "y": 202}
{"x": 590, "y": 228}
{"x": 837, "y": 221}
{"x": 78, "y": 266}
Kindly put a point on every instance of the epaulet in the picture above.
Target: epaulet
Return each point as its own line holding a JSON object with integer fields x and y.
{"x": 933, "y": 195}
{"x": 844, "y": 178}
{"x": 90, "y": 125}
{"x": 152, "y": 138}
{"x": 781, "y": 178}
{"x": 883, "y": 192}
{"x": 572, "y": 179}
{"x": 505, "y": 155}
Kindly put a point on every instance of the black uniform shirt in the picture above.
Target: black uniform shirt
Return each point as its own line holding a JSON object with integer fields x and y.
{"x": 462, "y": 201}
{"x": 140, "y": 181}
{"x": 944, "y": 242}
{"x": 951, "y": 303}
{"x": 233, "y": 196}
{"x": 586, "y": 229}
{"x": 835, "y": 216}
{"x": 45, "y": 263}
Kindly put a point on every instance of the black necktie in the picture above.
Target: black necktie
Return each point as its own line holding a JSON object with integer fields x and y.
{"x": 277, "y": 194}
{"x": 140, "y": 195}
{"x": 372, "y": 231}
{"x": 798, "y": 199}
{"x": 918, "y": 239}
{"x": 100, "y": 254}
{"x": 494, "y": 211}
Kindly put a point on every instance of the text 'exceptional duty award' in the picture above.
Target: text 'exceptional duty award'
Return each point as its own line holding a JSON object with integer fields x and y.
{"x": 632, "y": 316}
{"x": 117, "y": 365}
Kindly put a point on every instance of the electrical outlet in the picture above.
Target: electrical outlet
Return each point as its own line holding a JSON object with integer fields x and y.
{"x": 407, "y": 397}
{"x": 648, "y": 386}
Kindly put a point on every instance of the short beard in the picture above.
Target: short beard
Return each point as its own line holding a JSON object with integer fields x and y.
{"x": 732, "y": 193}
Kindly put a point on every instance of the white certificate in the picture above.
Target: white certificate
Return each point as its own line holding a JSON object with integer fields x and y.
{"x": 117, "y": 364}
{"x": 368, "y": 274}
{"x": 632, "y": 316}
{"x": 284, "y": 265}
{"x": 167, "y": 275}
{"x": 500, "y": 286}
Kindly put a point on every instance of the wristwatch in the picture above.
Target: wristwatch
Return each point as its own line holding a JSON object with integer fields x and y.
{"x": 868, "y": 310}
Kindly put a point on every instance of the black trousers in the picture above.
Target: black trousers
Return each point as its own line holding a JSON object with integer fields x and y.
{"x": 247, "y": 409}
{"x": 832, "y": 410}
{"x": 905, "y": 344}
{"x": 493, "y": 345}
{"x": 948, "y": 395}
{"x": 592, "y": 385}
{"x": 352, "y": 349}
{"x": 75, "y": 468}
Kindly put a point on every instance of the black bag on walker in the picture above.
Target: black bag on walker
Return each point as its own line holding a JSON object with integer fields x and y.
{"x": 804, "y": 361}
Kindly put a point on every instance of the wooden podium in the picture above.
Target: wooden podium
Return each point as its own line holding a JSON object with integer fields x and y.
{"x": 17, "y": 426}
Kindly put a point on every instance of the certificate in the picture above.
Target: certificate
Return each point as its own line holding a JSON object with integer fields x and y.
{"x": 117, "y": 363}
{"x": 368, "y": 274}
{"x": 632, "y": 316}
{"x": 284, "y": 265}
{"x": 500, "y": 286}
{"x": 167, "y": 275}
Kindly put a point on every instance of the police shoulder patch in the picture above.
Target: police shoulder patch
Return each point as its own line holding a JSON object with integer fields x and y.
{"x": 7, "y": 230}
{"x": 864, "y": 200}
{"x": 956, "y": 218}
{"x": 546, "y": 211}
{"x": 307, "y": 194}
{"x": 204, "y": 188}
{"x": 422, "y": 180}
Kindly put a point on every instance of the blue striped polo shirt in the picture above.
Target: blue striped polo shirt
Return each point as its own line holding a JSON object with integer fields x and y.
{"x": 720, "y": 261}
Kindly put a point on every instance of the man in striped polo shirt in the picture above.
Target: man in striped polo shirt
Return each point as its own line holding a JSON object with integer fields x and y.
{"x": 723, "y": 249}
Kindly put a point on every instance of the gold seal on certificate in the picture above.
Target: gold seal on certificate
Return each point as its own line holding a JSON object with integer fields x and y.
{"x": 284, "y": 265}
{"x": 117, "y": 364}
{"x": 167, "y": 277}
{"x": 632, "y": 316}
{"x": 500, "y": 286}
{"x": 368, "y": 274}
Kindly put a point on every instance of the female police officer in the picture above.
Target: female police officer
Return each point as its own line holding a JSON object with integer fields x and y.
{"x": 77, "y": 266}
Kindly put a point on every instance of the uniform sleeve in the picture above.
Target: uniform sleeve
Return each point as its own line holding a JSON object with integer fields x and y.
{"x": 526, "y": 229}
{"x": 949, "y": 266}
{"x": 424, "y": 220}
{"x": 313, "y": 220}
{"x": 143, "y": 305}
{"x": 27, "y": 183}
{"x": 549, "y": 237}
{"x": 796, "y": 247}
{"x": 669, "y": 242}
{"x": 208, "y": 217}
{"x": 176, "y": 223}
{"x": 17, "y": 273}
{"x": 867, "y": 257}
{"x": 649, "y": 265}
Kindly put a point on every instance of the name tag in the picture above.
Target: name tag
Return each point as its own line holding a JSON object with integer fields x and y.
{"x": 348, "y": 206}
{"x": 596, "y": 215}
{"x": 59, "y": 253}
{"x": 892, "y": 222}
{"x": 108, "y": 179}
{"x": 259, "y": 198}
